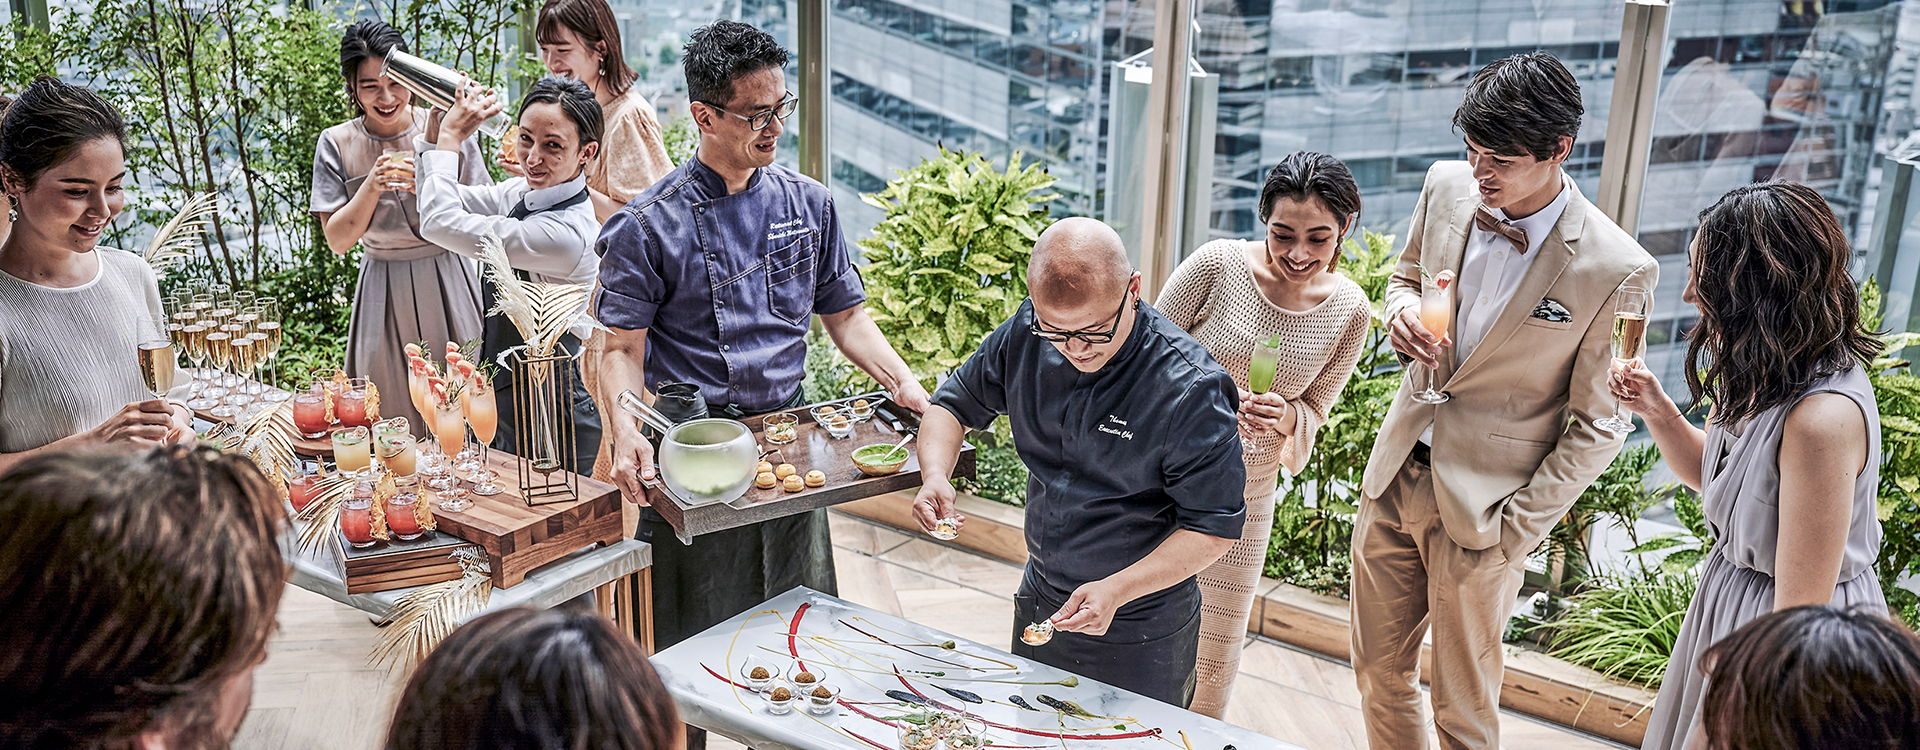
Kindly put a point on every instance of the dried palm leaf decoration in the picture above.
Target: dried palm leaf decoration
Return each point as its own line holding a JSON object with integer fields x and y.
{"x": 427, "y": 615}
{"x": 177, "y": 241}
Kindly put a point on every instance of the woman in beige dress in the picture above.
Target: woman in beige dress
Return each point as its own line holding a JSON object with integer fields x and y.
{"x": 580, "y": 39}
{"x": 1233, "y": 295}
{"x": 410, "y": 289}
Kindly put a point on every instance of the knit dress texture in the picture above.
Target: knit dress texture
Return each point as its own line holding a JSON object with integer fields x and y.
{"x": 1740, "y": 495}
{"x": 1214, "y": 297}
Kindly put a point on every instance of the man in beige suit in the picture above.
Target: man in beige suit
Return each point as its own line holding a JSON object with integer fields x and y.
{"x": 1456, "y": 494}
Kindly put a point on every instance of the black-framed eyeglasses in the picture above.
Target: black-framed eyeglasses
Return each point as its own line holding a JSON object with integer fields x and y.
{"x": 1097, "y": 337}
{"x": 760, "y": 120}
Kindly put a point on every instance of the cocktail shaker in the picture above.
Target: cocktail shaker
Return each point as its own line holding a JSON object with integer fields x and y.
{"x": 436, "y": 84}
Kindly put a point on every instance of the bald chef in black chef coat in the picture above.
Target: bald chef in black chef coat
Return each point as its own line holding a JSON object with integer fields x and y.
{"x": 1128, "y": 428}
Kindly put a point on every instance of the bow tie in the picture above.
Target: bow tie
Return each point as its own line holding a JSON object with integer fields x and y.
{"x": 1484, "y": 219}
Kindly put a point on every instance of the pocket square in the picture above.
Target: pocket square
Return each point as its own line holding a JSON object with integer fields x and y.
{"x": 1552, "y": 312}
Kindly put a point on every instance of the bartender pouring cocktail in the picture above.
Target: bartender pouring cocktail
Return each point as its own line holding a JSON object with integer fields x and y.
{"x": 711, "y": 277}
{"x": 1129, "y": 429}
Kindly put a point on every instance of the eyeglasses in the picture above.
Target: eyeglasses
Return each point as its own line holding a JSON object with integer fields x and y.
{"x": 760, "y": 120}
{"x": 1101, "y": 337}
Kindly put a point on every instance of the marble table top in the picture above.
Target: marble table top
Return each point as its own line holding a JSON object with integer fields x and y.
{"x": 868, "y": 655}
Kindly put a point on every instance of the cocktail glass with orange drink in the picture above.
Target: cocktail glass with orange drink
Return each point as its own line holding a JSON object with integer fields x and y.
{"x": 483, "y": 415}
{"x": 449, "y": 427}
{"x": 1436, "y": 315}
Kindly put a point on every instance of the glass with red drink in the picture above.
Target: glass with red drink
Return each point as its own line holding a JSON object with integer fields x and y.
{"x": 310, "y": 412}
{"x": 356, "y": 517}
{"x": 350, "y": 405}
{"x": 303, "y": 490}
{"x": 400, "y": 518}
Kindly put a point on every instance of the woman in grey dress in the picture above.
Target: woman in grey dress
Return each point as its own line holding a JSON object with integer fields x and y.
{"x": 1788, "y": 467}
{"x": 410, "y": 289}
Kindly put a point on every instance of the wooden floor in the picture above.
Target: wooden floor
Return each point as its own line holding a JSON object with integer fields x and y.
{"x": 317, "y": 691}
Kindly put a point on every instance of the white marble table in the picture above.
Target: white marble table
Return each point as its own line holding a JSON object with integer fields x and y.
{"x": 829, "y": 641}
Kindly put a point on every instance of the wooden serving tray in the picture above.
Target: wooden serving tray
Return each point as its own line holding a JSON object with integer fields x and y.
{"x": 519, "y": 537}
{"x": 812, "y": 449}
{"x": 398, "y": 563}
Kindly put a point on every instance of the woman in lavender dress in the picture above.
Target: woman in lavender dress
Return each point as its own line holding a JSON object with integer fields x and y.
{"x": 410, "y": 289}
{"x": 1788, "y": 467}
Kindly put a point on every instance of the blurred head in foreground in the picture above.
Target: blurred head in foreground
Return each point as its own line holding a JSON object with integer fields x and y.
{"x": 1811, "y": 678}
{"x": 530, "y": 679}
{"x": 137, "y": 591}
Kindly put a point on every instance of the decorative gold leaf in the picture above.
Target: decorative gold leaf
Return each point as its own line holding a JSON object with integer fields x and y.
{"x": 177, "y": 240}
{"x": 423, "y": 618}
{"x": 323, "y": 516}
{"x": 383, "y": 491}
{"x": 267, "y": 439}
{"x": 423, "y": 513}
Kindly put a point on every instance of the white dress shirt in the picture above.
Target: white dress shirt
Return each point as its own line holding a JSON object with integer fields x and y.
{"x": 551, "y": 246}
{"x": 1490, "y": 272}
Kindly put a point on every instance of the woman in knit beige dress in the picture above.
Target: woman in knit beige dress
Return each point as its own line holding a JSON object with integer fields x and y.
{"x": 1233, "y": 294}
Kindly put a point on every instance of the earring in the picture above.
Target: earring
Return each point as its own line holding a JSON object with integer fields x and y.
{"x": 13, "y": 209}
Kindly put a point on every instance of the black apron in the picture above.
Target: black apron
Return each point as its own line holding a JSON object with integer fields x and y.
{"x": 497, "y": 334}
{"x": 1151, "y": 648}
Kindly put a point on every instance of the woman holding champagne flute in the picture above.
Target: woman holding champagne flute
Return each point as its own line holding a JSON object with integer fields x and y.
{"x": 410, "y": 289}
{"x": 1289, "y": 329}
{"x": 71, "y": 334}
{"x": 1788, "y": 467}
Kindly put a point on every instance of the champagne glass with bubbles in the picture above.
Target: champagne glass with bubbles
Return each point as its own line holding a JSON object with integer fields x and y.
{"x": 1629, "y": 339}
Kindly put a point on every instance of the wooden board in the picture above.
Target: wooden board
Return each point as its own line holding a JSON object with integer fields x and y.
{"x": 812, "y": 449}
{"x": 519, "y": 537}
{"x": 398, "y": 563}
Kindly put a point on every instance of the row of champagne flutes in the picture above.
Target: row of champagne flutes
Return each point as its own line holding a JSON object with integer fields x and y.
{"x": 228, "y": 330}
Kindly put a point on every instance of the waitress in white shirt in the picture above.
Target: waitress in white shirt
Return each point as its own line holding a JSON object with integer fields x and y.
{"x": 544, "y": 219}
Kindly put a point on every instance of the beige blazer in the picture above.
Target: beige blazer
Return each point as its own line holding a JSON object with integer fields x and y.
{"x": 1516, "y": 444}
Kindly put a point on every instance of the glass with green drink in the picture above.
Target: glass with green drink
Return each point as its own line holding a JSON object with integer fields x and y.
{"x": 1266, "y": 359}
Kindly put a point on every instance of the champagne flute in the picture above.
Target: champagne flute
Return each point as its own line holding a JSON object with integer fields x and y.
{"x": 207, "y": 396}
{"x": 220, "y": 352}
{"x": 156, "y": 355}
{"x": 1629, "y": 339}
{"x": 449, "y": 428}
{"x": 1436, "y": 315}
{"x": 244, "y": 319}
{"x": 271, "y": 325}
{"x": 483, "y": 415}
{"x": 245, "y": 357}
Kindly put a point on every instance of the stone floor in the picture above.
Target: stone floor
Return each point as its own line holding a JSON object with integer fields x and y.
{"x": 315, "y": 689}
